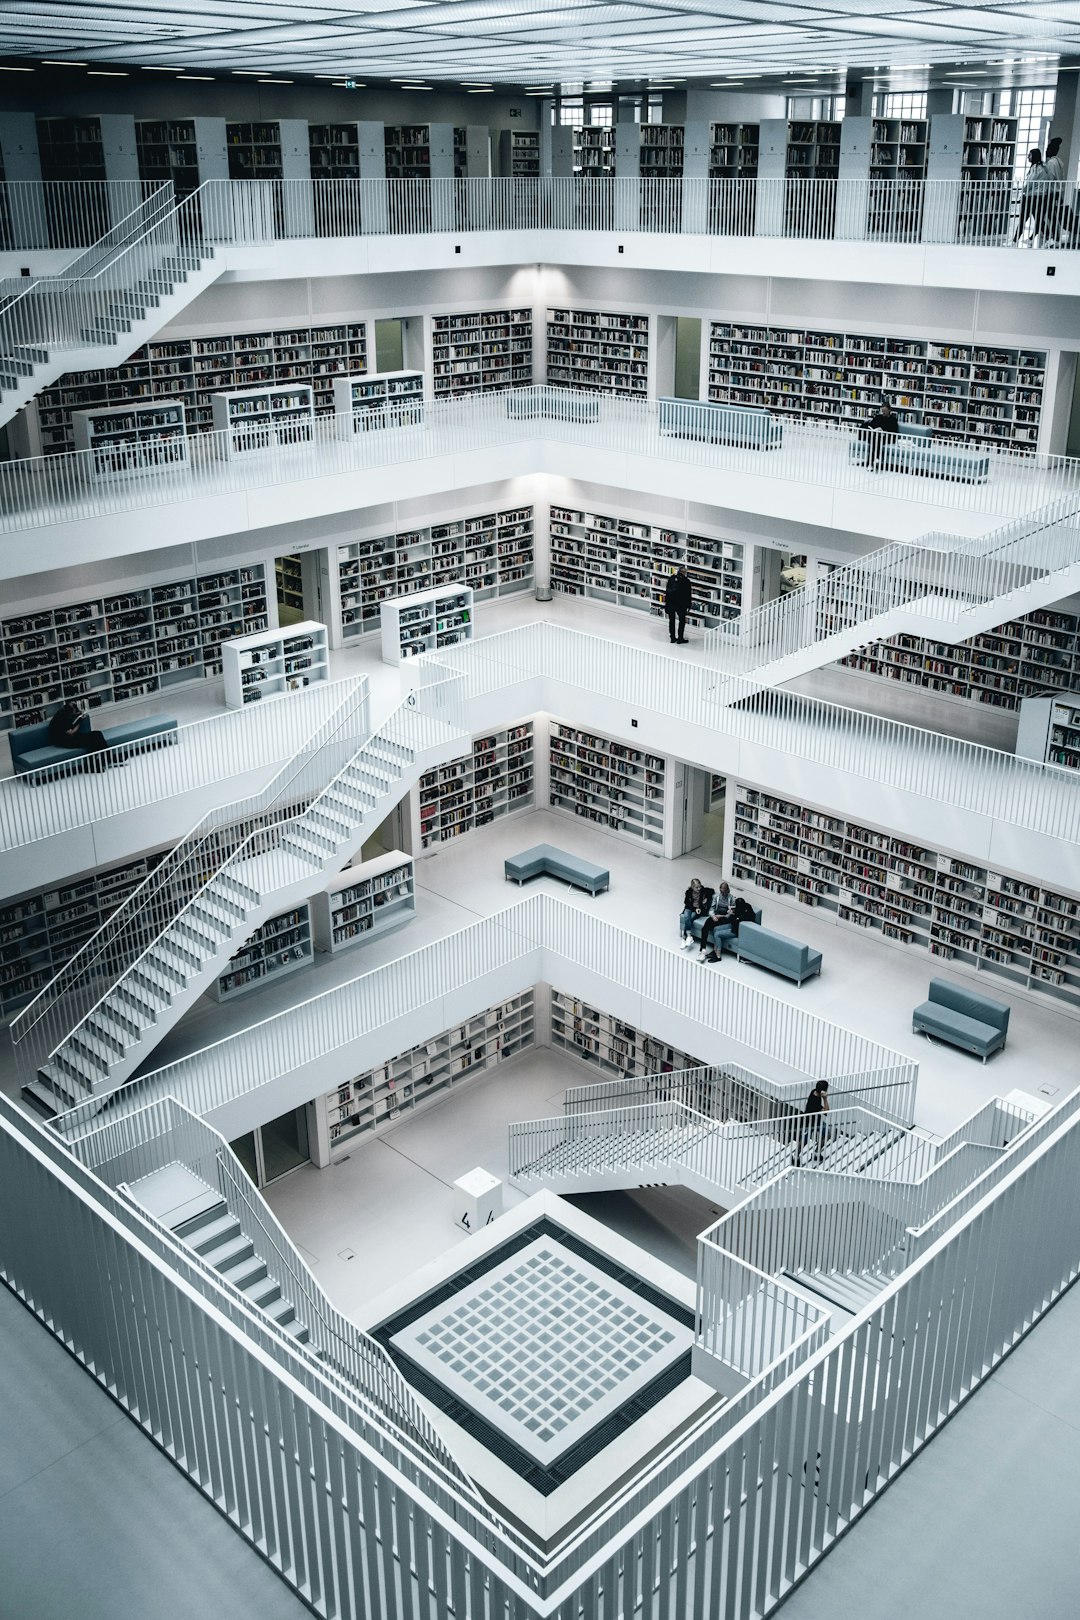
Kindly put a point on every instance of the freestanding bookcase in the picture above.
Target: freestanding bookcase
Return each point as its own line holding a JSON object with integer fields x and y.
{"x": 424, "y": 621}
{"x": 275, "y": 663}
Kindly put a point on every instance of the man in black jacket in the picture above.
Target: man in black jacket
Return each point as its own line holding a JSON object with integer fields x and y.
{"x": 677, "y": 600}
{"x": 883, "y": 427}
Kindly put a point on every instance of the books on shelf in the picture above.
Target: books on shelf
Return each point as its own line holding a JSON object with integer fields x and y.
{"x": 364, "y": 902}
{"x": 598, "y": 349}
{"x": 423, "y": 621}
{"x": 274, "y": 663}
{"x": 434, "y": 1066}
{"x": 378, "y": 400}
{"x": 618, "y": 786}
{"x": 135, "y": 438}
{"x": 282, "y": 945}
{"x": 254, "y": 419}
{"x": 494, "y": 779}
{"x": 481, "y": 350}
{"x": 607, "y": 1042}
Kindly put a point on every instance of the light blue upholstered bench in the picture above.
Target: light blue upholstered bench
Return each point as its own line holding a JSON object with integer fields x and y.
{"x": 750, "y": 427}
{"x": 723, "y": 933}
{"x": 31, "y": 750}
{"x": 915, "y": 450}
{"x": 963, "y": 1018}
{"x": 545, "y": 858}
{"x": 555, "y": 407}
{"x": 776, "y": 952}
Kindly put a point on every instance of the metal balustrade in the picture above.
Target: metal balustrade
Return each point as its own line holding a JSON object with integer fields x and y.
{"x": 43, "y": 491}
{"x": 899, "y": 212}
{"x": 935, "y": 589}
{"x": 63, "y": 797}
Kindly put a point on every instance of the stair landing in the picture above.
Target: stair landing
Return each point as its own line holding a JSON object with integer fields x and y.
{"x": 173, "y": 1195}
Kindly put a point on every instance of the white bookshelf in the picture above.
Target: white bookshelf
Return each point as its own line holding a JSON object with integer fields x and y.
{"x": 977, "y": 392}
{"x": 620, "y": 787}
{"x": 608, "y": 1043}
{"x": 384, "y": 399}
{"x": 378, "y": 1096}
{"x": 491, "y": 552}
{"x": 423, "y": 621}
{"x": 975, "y": 917}
{"x": 275, "y": 663}
{"x": 494, "y": 779}
{"x": 255, "y": 419}
{"x": 282, "y": 945}
{"x": 108, "y": 648}
{"x": 132, "y": 438}
{"x": 519, "y": 152}
{"x": 598, "y": 349}
{"x": 628, "y": 563}
{"x": 1049, "y": 730}
{"x": 364, "y": 902}
{"x": 481, "y": 350}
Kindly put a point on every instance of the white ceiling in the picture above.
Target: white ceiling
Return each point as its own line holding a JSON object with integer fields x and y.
{"x": 518, "y": 41}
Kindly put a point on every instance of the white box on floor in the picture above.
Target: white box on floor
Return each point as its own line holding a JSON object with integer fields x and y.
{"x": 478, "y": 1199}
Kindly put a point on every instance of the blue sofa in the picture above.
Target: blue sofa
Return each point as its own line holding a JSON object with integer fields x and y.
{"x": 524, "y": 404}
{"x": 723, "y": 934}
{"x": 963, "y": 1018}
{"x": 545, "y": 858}
{"x": 776, "y": 952}
{"x": 31, "y": 750}
{"x": 915, "y": 450}
{"x": 747, "y": 426}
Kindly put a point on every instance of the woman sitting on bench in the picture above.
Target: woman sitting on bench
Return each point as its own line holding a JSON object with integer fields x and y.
{"x": 65, "y": 731}
{"x": 697, "y": 902}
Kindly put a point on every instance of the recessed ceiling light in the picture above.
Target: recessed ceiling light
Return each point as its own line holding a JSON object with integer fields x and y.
{"x": 488, "y": 92}
{"x": 247, "y": 73}
{"x": 162, "y": 70}
{"x": 55, "y": 61}
{"x": 105, "y": 73}
{"x": 202, "y": 78}
{"x": 5, "y": 69}
{"x": 276, "y": 81}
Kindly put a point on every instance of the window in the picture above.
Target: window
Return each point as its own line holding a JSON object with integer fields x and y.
{"x": 815, "y": 108}
{"x": 570, "y": 112}
{"x": 900, "y": 104}
{"x": 1033, "y": 111}
{"x": 600, "y": 114}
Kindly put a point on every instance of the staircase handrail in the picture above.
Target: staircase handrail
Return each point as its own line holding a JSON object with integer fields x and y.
{"x": 118, "y": 237}
{"x": 141, "y": 919}
{"x": 789, "y": 1094}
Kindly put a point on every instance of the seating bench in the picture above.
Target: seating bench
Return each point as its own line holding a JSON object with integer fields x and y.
{"x": 776, "y": 952}
{"x": 527, "y": 404}
{"x": 722, "y": 933}
{"x": 915, "y": 450}
{"x": 962, "y": 1017}
{"x": 545, "y": 858}
{"x": 750, "y": 427}
{"x": 31, "y": 751}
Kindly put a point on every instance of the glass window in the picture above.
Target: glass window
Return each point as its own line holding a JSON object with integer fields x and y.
{"x": 600, "y": 114}
{"x": 900, "y": 104}
{"x": 1033, "y": 111}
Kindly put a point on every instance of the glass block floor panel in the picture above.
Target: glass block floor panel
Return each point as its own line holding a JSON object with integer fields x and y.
{"x": 544, "y": 1346}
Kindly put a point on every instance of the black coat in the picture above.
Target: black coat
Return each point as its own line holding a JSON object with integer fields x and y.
{"x": 678, "y": 595}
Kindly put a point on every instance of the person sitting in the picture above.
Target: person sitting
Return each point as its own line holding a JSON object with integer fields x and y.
{"x": 883, "y": 427}
{"x": 720, "y": 915}
{"x": 65, "y": 731}
{"x": 696, "y": 903}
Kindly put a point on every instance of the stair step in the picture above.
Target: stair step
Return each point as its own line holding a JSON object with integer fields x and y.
{"x": 226, "y": 1254}
{"x": 96, "y": 1052}
{"x": 196, "y": 1223}
{"x": 224, "y": 1225}
{"x": 245, "y": 895}
{"x": 299, "y": 1330}
{"x": 281, "y": 1310}
{"x": 265, "y": 1292}
{"x": 246, "y": 1273}
{"x": 133, "y": 998}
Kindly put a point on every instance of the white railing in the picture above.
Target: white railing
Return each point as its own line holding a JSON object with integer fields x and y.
{"x": 540, "y": 938}
{"x": 908, "y": 759}
{"x": 937, "y": 585}
{"x": 60, "y": 798}
{"x": 64, "y": 214}
{"x": 750, "y": 1323}
{"x": 44, "y": 491}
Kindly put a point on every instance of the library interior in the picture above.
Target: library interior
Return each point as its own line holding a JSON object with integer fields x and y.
{"x": 540, "y": 811}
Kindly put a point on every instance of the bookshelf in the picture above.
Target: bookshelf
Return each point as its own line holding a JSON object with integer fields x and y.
{"x": 813, "y": 150}
{"x": 382, "y": 399}
{"x": 1004, "y": 667}
{"x": 660, "y": 151}
{"x": 282, "y": 945}
{"x": 733, "y": 151}
{"x": 108, "y": 648}
{"x": 519, "y": 152}
{"x": 974, "y": 917}
{"x": 380, "y": 1095}
{"x": 492, "y": 552}
{"x": 334, "y": 151}
{"x": 608, "y": 1043}
{"x": 289, "y": 583}
{"x": 274, "y": 663}
{"x": 133, "y": 439}
{"x": 481, "y": 351}
{"x": 41, "y": 931}
{"x": 978, "y": 393}
{"x": 71, "y": 149}
{"x": 1049, "y": 730}
{"x": 989, "y": 149}
{"x": 598, "y": 349}
{"x": 424, "y": 621}
{"x": 254, "y": 151}
{"x": 168, "y": 153}
{"x": 898, "y": 148}
{"x": 191, "y": 371}
{"x": 593, "y": 151}
{"x": 628, "y": 563}
{"x": 254, "y": 419}
{"x": 620, "y": 787}
{"x": 494, "y": 779}
{"x": 364, "y": 902}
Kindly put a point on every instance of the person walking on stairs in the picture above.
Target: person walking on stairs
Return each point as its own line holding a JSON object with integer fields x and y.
{"x": 812, "y": 1123}
{"x": 677, "y": 599}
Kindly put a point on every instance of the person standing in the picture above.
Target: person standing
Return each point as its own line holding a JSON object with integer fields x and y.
{"x": 1034, "y": 198}
{"x": 812, "y": 1123}
{"x": 1059, "y": 212}
{"x": 677, "y": 600}
{"x": 884, "y": 426}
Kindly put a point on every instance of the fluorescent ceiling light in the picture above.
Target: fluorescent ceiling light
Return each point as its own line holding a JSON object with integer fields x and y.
{"x": 276, "y": 81}
{"x": 55, "y": 61}
{"x": 202, "y": 78}
{"x": 162, "y": 70}
{"x": 488, "y": 92}
{"x": 4, "y": 69}
{"x": 105, "y": 73}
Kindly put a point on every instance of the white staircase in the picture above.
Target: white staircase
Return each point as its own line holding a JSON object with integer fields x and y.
{"x": 945, "y": 588}
{"x": 106, "y": 1010}
{"x": 107, "y": 302}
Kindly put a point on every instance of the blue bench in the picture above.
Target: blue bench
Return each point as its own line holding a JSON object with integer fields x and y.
{"x": 776, "y": 952}
{"x": 32, "y": 752}
{"x": 528, "y": 403}
{"x": 915, "y": 450}
{"x": 545, "y": 858}
{"x": 749, "y": 427}
{"x": 723, "y": 933}
{"x": 963, "y": 1018}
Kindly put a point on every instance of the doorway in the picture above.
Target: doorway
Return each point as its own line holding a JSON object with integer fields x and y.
{"x": 390, "y": 345}
{"x": 272, "y": 1150}
{"x": 687, "y": 357}
{"x": 702, "y": 825}
{"x": 302, "y": 587}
